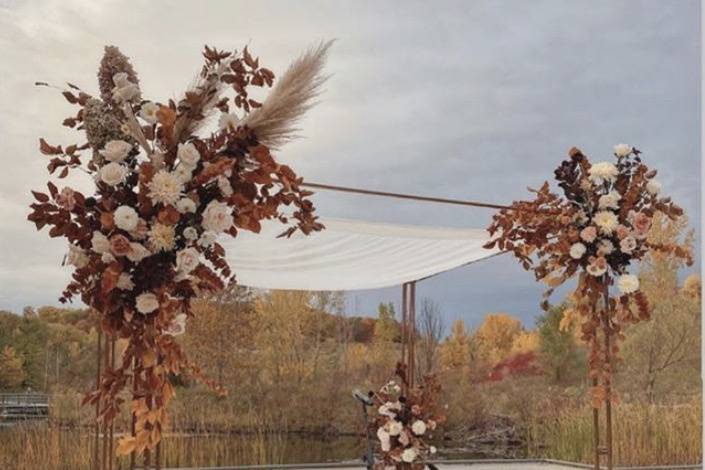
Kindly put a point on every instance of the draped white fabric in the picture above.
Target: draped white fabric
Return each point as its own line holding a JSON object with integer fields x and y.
{"x": 351, "y": 255}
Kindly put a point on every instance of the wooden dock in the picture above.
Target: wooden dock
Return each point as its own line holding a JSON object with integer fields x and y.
{"x": 21, "y": 407}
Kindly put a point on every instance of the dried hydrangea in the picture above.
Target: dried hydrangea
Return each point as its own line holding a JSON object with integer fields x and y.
{"x": 102, "y": 126}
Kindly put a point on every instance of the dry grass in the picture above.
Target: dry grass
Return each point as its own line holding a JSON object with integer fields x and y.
{"x": 643, "y": 435}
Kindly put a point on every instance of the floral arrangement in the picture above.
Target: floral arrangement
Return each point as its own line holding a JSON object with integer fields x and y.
{"x": 597, "y": 230}
{"x": 145, "y": 243}
{"x": 405, "y": 423}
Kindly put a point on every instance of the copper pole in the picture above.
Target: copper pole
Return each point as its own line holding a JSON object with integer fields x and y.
{"x": 112, "y": 422}
{"x": 403, "y": 332}
{"x": 132, "y": 414}
{"x": 608, "y": 376}
{"x": 106, "y": 360}
{"x": 413, "y": 197}
{"x": 96, "y": 444}
{"x": 410, "y": 333}
{"x": 596, "y": 429}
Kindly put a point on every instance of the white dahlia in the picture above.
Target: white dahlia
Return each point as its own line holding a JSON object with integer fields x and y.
{"x": 602, "y": 171}
{"x": 165, "y": 188}
{"x": 126, "y": 218}
{"x": 606, "y": 221}
{"x": 146, "y": 302}
{"x": 628, "y": 283}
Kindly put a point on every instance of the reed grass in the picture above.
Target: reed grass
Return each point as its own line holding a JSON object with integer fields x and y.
{"x": 643, "y": 435}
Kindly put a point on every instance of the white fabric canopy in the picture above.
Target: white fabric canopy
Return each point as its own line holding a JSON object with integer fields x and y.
{"x": 351, "y": 255}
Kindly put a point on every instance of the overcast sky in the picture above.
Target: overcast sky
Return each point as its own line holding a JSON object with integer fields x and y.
{"x": 466, "y": 99}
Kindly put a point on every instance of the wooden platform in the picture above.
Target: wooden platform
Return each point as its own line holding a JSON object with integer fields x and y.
{"x": 529, "y": 464}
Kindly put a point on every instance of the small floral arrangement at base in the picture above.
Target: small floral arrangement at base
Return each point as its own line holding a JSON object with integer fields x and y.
{"x": 405, "y": 423}
{"x": 597, "y": 230}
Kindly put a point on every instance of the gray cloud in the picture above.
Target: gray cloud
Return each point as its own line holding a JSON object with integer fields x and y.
{"x": 459, "y": 99}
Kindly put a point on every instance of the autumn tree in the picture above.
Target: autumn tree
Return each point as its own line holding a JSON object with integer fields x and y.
{"x": 664, "y": 353}
{"x": 559, "y": 352}
{"x": 455, "y": 351}
{"x": 11, "y": 372}
{"x": 495, "y": 337}
{"x": 430, "y": 327}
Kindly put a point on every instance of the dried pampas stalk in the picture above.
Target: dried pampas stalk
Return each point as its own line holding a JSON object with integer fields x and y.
{"x": 292, "y": 96}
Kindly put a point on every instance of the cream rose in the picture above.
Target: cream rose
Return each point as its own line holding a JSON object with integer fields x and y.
{"x": 217, "y": 217}
{"x": 188, "y": 154}
{"x": 126, "y": 218}
{"x": 100, "y": 243}
{"x": 146, "y": 302}
{"x": 627, "y": 245}
{"x": 185, "y": 205}
{"x": 187, "y": 260}
{"x": 577, "y": 250}
{"x": 395, "y": 427}
{"x": 190, "y": 234}
{"x": 418, "y": 428}
{"x": 77, "y": 257}
{"x": 409, "y": 455}
{"x": 116, "y": 150}
{"x": 113, "y": 174}
{"x": 610, "y": 200}
{"x": 138, "y": 252}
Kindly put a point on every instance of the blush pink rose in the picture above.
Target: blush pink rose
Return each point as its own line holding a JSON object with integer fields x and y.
{"x": 588, "y": 234}
{"x": 120, "y": 245}
{"x": 641, "y": 223}
{"x": 622, "y": 231}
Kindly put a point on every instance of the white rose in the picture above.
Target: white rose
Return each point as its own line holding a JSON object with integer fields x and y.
{"x": 190, "y": 233}
{"x": 126, "y": 218}
{"x": 137, "y": 252}
{"x": 77, "y": 257}
{"x": 149, "y": 112}
{"x": 116, "y": 150}
{"x": 183, "y": 173}
{"x": 409, "y": 455}
{"x": 125, "y": 282}
{"x": 113, "y": 173}
{"x": 577, "y": 250}
{"x": 610, "y": 200}
{"x": 653, "y": 187}
{"x": 395, "y": 428}
{"x": 207, "y": 239}
{"x": 187, "y": 260}
{"x": 146, "y": 302}
{"x": 185, "y": 205}
{"x": 100, "y": 243}
{"x": 384, "y": 439}
{"x": 188, "y": 154}
{"x": 107, "y": 257}
{"x": 217, "y": 217}
{"x": 418, "y": 428}
{"x": 622, "y": 150}
{"x": 602, "y": 171}
{"x": 228, "y": 121}
{"x": 628, "y": 283}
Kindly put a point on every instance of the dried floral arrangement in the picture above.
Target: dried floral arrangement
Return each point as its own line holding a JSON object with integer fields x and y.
{"x": 405, "y": 422}
{"x": 597, "y": 230}
{"x": 145, "y": 243}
